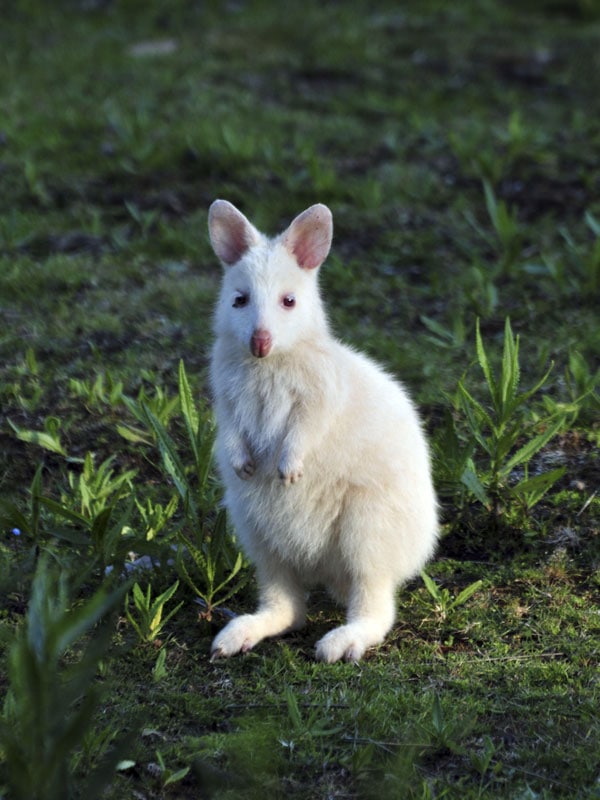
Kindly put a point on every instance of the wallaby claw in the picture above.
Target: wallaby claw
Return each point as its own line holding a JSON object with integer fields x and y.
{"x": 246, "y": 471}
{"x": 290, "y": 474}
{"x": 216, "y": 654}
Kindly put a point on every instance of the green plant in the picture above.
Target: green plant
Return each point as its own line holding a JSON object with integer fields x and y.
{"x": 159, "y": 670}
{"x": 506, "y": 228}
{"x": 586, "y": 257}
{"x": 26, "y": 522}
{"x": 49, "y": 438}
{"x": 482, "y": 290}
{"x": 146, "y": 408}
{"x": 482, "y": 761}
{"x": 52, "y": 696}
{"x": 581, "y": 383}
{"x": 167, "y": 776}
{"x": 444, "y": 602}
{"x": 154, "y": 516}
{"x": 502, "y": 435}
{"x": 442, "y": 732}
{"x": 207, "y": 558}
{"x": 26, "y": 387}
{"x": 91, "y": 505}
{"x": 311, "y": 724}
{"x": 148, "y": 621}
{"x": 445, "y": 337}
{"x": 145, "y": 220}
{"x": 210, "y": 565}
{"x": 97, "y": 487}
{"x": 104, "y": 391}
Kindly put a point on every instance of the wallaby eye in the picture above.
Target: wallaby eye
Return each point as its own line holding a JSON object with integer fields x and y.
{"x": 288, "y": 301}
{"x": 240, "y": 300}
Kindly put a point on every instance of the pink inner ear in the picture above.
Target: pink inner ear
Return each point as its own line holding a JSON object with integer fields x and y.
{"x": 230, "y": 232}
{"x": 311, "y": 252}
{"x": 230, "y": 244}
{"x": 309, "y": 236}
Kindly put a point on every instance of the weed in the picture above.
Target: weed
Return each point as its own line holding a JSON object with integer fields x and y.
{"x": 581, "y": 383}
{"x": 506, "y": 227}
{"x": 147, "y": 408}
{"x": 167, "y": 776}
{"x": 159, "y": 670}
{"x": 585, "y": 258}
{"x": 50, "y": 708}
{"x": 148, "y": 620}
{"x": 207, "y": 559}
{"x": 155, "y": 516}
{"x": 27, "y": 388}
{"x": 27, "y": 522}
{"x": 482, "y": 761}
{"x": 103, "y": 391}
{"x": 443, "y": 601}
{"x": 444, "y": 733}
{"x": 210, "y": 565}
{"x": 97, "y": 487}
{"x": 501, "y": 438}
{"x": 49, "y": 438}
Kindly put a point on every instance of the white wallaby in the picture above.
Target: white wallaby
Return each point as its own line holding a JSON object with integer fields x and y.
{"x": 326, "y": 468}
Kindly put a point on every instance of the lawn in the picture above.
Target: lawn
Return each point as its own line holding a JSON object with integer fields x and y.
{"x": 458, "y": 148}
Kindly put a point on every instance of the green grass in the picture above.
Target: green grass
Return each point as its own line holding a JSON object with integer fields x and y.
{"x": 457, "y": 146}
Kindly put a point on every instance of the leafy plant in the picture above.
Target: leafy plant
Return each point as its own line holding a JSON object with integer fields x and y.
{"x": 145, "y": 220}
{"x": 148, "y": 622}
{"x": 51, "y": 701}
{"x": 97, "y": 487}
{"x": 444, "y": 602}
{"x": 216, "y": 574}
{"x": 310, "y": 724}
{"x": 207, "y": 558}
{"x": 158, "y": 405}
{"x": 502, "y": 435}
{"x": 581, "y": 383}
{"x": 154, "y": 516}
{"x": 159, "y": 670}
{"x": 167, "y": 776}
{"x": 506, "y": 227}
{"x": 26, "y": 388}
{"x": 97, "y": 520}
{"x": 445, "y": 733}
{"x": 26, "y": 522}
{"x": 104, "y": 391}
{"x": 443, "y": 336}
{"x": 49, "y": 438}
{"x": 482, "y": 762}
{"x": 586, "y": 257}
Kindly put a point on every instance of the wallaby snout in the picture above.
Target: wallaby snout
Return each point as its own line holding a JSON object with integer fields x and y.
{"x": 261, "y": 343}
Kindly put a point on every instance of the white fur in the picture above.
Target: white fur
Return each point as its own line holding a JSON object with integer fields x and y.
{"x": 325, "y": 465}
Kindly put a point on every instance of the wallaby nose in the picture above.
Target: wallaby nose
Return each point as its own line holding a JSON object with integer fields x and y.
{"x": 261, "y": 343}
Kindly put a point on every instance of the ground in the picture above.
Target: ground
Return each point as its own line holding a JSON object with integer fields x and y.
{"x": 458, "y": 148}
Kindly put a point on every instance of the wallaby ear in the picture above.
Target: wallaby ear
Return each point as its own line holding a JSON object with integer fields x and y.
{"x": 309, "y": 236}
{"x": 231, "y": 235}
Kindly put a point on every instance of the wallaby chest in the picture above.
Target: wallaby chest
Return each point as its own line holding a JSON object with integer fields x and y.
{"x": 261, "y": 400}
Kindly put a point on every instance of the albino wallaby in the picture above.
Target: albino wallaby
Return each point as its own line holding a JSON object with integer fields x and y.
{"x": 325, "y": 466}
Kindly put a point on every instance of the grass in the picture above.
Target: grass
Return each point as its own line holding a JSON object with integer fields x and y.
{"x": 458, "y": 148}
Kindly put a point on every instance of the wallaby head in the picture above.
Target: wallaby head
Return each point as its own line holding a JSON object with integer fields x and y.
{"x": 269, "y": 297}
